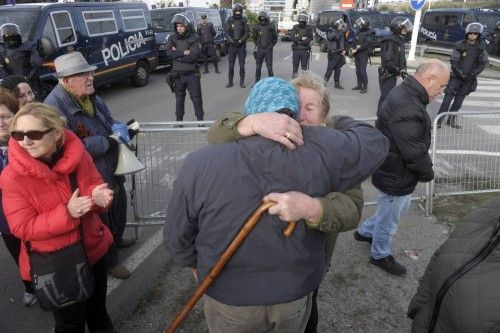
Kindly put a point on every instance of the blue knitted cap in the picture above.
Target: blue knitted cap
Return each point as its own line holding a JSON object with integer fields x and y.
{"x": 272, "y": 94}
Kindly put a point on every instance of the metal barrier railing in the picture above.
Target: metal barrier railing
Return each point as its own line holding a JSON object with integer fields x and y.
{"x": 466, "y": 161}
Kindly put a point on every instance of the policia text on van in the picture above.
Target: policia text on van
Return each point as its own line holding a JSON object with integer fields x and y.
{"x": 116, "y": 37}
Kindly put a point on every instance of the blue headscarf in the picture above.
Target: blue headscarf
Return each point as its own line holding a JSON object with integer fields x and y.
{"x": 272, "y": 94}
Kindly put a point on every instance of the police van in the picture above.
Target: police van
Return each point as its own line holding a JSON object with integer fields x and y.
{"x": 445, "y": 27}
{"x": 162, "y": 23}
{"x": 327, "y": 17}
{"x": 116, "y": 37}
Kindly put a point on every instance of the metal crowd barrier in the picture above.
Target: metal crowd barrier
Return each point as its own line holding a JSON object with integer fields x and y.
{"x": 466, "y": 161}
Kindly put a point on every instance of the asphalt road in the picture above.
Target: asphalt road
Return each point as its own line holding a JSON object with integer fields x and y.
{"x": 155, "y": 281}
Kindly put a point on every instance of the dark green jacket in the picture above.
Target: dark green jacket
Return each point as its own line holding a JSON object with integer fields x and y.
{"x": 341, "y": 210}
{"x": 472, "y": 301}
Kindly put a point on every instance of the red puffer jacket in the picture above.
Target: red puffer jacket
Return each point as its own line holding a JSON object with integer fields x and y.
{"x": 35, "y": 199}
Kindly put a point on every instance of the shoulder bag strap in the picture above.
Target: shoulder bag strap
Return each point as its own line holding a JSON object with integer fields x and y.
{"x": 74, "y": 186}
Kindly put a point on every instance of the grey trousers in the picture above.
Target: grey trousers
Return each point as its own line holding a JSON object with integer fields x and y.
{"x": 288, "y": 317}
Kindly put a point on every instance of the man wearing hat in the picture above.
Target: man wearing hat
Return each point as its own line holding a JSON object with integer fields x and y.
{"x": 207, "y": 33}
{"x": 89, "y": 117}
{"x": 20, "y": 87}
{"x": 268, "y": 283}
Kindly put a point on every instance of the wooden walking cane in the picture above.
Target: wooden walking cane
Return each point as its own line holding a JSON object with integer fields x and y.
{"x": 231, "y": 249}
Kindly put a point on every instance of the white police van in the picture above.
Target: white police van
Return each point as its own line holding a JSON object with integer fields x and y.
{"x": 117, "y": 37}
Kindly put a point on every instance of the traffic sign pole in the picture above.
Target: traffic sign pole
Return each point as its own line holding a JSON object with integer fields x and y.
{"x": 414, "y": 35}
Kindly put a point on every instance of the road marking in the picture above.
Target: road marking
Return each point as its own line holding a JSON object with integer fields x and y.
{"x": 485, "y": 94}
{"x": 467, "y": 152}
{"x": 137, "y": 258}
{"x": 476, "y": 103}
{"x": 495, "y": 88}
{"x": 490, "y": 129}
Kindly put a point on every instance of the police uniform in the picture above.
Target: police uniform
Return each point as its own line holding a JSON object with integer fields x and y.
{"x": 495, "y": 40}
{"x": 17, "y": 57}
{"x": 364, "y": 38}
{"x": 302, "y": 37}
{"x": 207, "y": 33}
{"x": 336, "y": 59}
{"x": 393, "y": 59}
{"x": 265, "y": 37}
{"x": 467, "y": 61}
{"x": 237, "y": 32}
{"x": 184, "y": 70}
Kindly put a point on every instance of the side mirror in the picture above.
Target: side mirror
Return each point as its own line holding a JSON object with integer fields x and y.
{"x": 47, "y": 46}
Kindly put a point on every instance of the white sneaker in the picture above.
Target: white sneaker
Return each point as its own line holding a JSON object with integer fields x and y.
{"x": 29, "y": 299}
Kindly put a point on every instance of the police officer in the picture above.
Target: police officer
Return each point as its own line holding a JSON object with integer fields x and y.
{"x": 207, "y": 32}
{"x": 336, "y": 50}
{"x": 392, "y": 54}
{"x": 495, "y": 40}
{"x": 237, "y": 32}
{"x": 468, "y": 59}
{"x": 302, "y": 37}
{"x": 183, "y": 47}
{"x": 17, "y": 57}
{"x": 361, "y": 50}
{"x": 265, "y": 37}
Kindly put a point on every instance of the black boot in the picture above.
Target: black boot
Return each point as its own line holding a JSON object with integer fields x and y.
{"x": 363, "y": 89}
{"x": 358, "y": 87}
{"x": 206, "y": 70}
{"x": 216, "y": 65}
{"x": 242, "y": 83}
{"x": 439, "y": 122}
{"x": 230, "y": 83}
{"x": 452, "y": 122}
{"x": 338, "y": 86}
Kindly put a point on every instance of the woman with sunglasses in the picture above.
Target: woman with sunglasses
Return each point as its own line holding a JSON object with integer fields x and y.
{"x": 41, "y": 207}
{"x": 19, "y": 86}
{"x": 8, "y": 108}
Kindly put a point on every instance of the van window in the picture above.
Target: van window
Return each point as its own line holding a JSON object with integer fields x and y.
{"x": 24, "y": 19}
{"x": 489, "y": 20}
{"x": 451, "y": 20}
{"x": 48, "y": 32}
{"x": 376, "y": 19}
{"x": 468, "y": 18}
{"x": 162, "y": 20}
{"x": 133, "y": 19}
{"x": 65, "y": 30}
{"x": 100, "y": 22}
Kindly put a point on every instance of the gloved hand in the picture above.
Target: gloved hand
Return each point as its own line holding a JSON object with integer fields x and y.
{"x": 133, "y": 128}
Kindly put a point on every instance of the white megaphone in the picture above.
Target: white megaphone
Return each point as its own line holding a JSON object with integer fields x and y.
{"x": 127, "y": 161}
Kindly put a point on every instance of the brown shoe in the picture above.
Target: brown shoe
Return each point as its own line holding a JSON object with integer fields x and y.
{"x": 119, "y": 272}
{"x": 125, "y": 242}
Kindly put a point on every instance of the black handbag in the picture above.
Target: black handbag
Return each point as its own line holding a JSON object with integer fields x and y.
{"x": 62, "y": 277}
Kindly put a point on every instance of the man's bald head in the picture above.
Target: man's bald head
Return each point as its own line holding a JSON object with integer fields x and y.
{"x": 433, "y": 75}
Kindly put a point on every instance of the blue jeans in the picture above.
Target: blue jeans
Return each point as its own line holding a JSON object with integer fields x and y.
{"x": 384, "y": 223}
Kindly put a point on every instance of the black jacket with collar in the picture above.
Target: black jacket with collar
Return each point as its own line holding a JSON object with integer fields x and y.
{"x": 403, "y": 119}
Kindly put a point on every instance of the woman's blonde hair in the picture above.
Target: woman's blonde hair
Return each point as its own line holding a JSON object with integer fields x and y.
{"x": 310, "y": 80}
{"x": 47, "y": 114}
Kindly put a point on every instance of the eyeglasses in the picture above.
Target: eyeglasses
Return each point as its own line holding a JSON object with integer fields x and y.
{"x": 6, "y": 117}
{"x": 26, "y": 94}
{"x": 32, "y": 135}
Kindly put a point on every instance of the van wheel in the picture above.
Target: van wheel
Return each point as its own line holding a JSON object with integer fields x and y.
{"x": 322, "y": 46}
{"x": 141, "y": 74}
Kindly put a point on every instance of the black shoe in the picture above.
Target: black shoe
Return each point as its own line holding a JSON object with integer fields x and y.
{"x": 360, "y": 238}
{"x": 439, "y": 122}
{"x": 125, "y": 242}
{"x": 338, "y": 86}
{"x": 358, "y": 87}
{"x": 229, "y": 84}
{"x": 217, "y": 71}
{"x": 452, "y": 122}
{"x": 363, "y": 91}
{"x": 178, "y": 126}
{"x": 390, "y": 265}
{"x": 242, "y": 84}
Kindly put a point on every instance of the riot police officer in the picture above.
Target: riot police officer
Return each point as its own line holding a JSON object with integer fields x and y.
{"x": 392, "y": 54}
{"x": 468, "y": 59}
{"x": 184, "y": 49}
{"x": 361, "y": 51}
{"x": 302, "y": 37}
{"x": 237, "y": 32}
{"x": 17, "y": 57}
{"x": 336, "y": 50}
{"x": 495, "y": 40}
{"x": 265, "y": 37}
{"x": 207, "y": 32}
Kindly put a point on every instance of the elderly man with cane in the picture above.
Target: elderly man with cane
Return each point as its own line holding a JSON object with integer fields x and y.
{"x": 268, "y": 283}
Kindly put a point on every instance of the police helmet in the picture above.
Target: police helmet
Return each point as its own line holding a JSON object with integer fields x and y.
{"x": 180, "y": 19}
{"x": 237, "y": 7}
{"x": 363, "y": 22}
{"x": 474, "y": 27}
{"x": 339, "y": 24}
{"x": 263, "y": 16}
{"x": 303, "y": 18}
{"x": 11, "y": 34}
{"x": 399, "y": 23}
{"x": 498, "y": 25}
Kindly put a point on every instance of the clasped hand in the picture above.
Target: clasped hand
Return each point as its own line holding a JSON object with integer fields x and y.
{"x": 78, "y": 205}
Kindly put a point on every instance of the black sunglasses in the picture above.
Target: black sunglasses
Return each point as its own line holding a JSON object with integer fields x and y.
{"x": 32, "y": 135}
